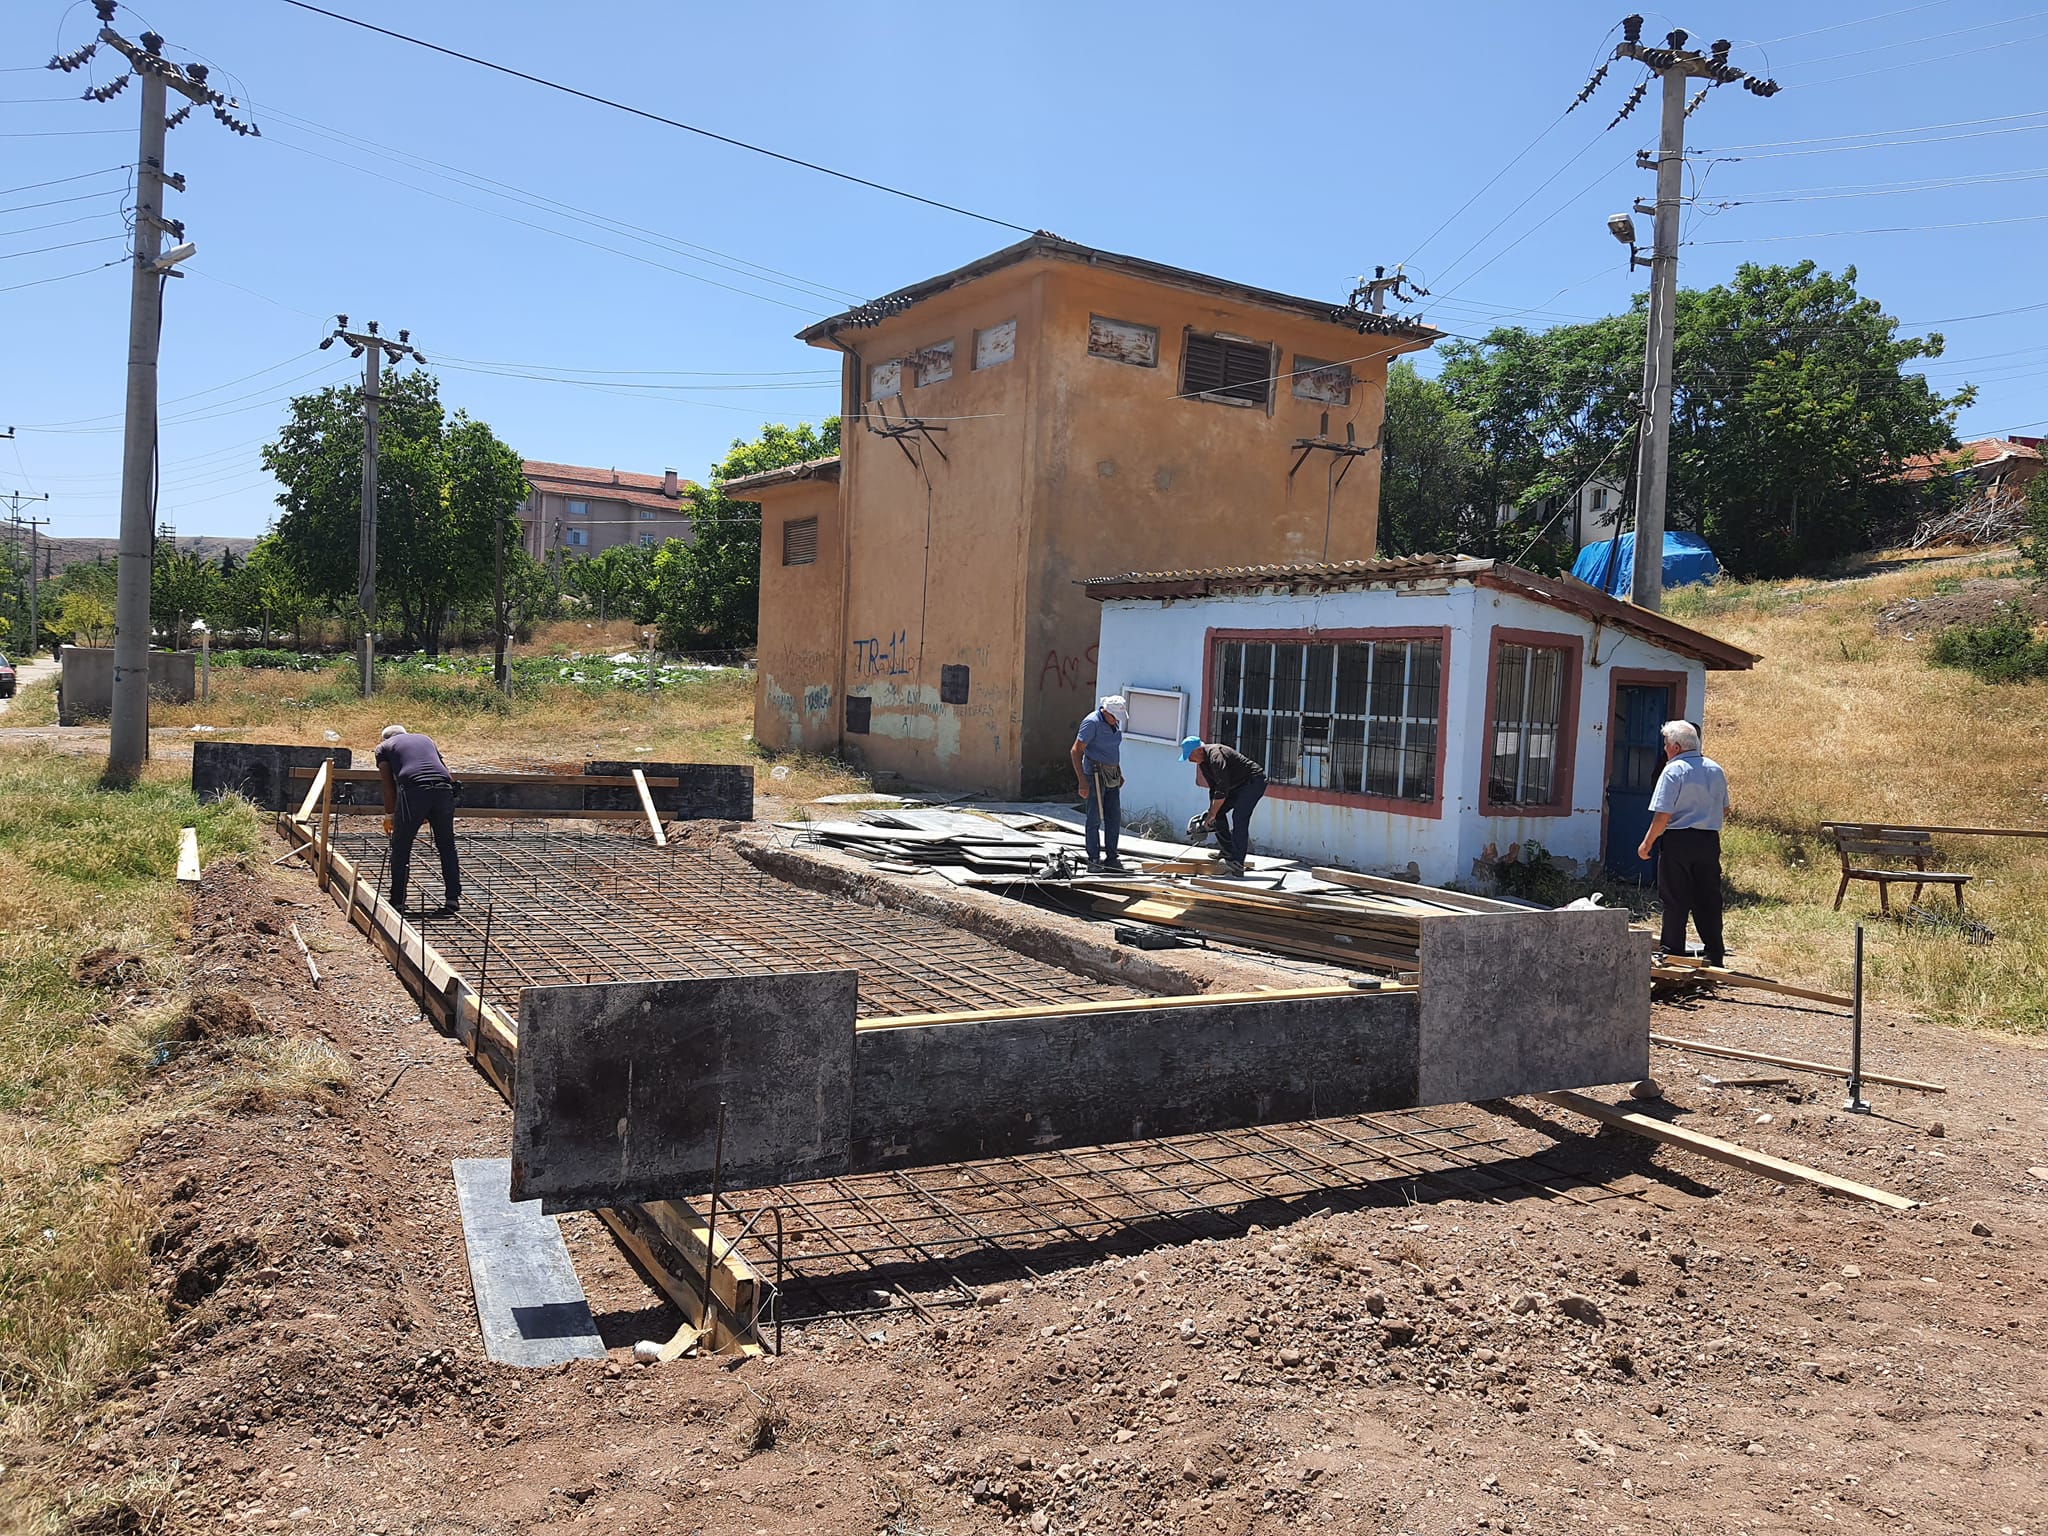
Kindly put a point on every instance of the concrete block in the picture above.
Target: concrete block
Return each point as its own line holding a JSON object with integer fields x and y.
{"x": 530, "y": 1306}
{"x": 947, "y": 1092}
{"x": 617, "y": 1090}
{"x": 85, "y": 686}
{"x": 1531, "y": 1002}
{"x": 258, "y": 771}
{"x": 703, "y": 792}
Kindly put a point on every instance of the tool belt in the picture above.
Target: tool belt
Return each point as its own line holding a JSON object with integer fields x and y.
{"x": 1108, "y": 775}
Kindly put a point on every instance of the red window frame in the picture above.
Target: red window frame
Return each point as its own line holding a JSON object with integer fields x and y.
{"x": 1574, "y": 682}
{"x": 1431, "y": 810}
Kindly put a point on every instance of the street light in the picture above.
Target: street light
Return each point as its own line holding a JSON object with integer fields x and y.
{"x": 1623, "y": 227}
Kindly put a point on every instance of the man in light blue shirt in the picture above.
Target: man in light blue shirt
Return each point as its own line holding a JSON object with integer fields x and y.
{"x": 1687, "y": 808}
{"x": 1097, "y": 755}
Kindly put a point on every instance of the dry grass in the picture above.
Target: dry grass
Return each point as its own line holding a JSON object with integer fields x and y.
{"x": 705, "y": 718}
{"x": 1838, "y": 722}
{"x": 82, "y": 869}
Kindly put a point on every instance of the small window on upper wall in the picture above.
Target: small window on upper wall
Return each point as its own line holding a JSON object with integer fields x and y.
{"x": 1329, "y": 383}
{"x": 997, "y": 344}
{"x": 1123, "y": 341}
{"x": 800, "y": 541}
{"x": 1227, "y": 369}
{"x": 934, "y": 363}
{"x": 577, "y": 508}
{"x": 885, "y": 380}
{"x": 576, "y": 536}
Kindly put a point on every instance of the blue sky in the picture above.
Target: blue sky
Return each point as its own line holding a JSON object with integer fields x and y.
{"x": 1292, "y": 146}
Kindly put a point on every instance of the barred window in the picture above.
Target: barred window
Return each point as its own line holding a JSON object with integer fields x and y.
{"x": 1528, "y": 720}
{"x": 1356, "y": 716}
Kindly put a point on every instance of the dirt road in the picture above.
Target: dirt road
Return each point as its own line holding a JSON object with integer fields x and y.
{"x": 32, "y": 670}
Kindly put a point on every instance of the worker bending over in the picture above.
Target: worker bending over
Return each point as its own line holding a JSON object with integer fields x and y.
{"x": 418, "y": 788}
{"x": 1235, "y": 785}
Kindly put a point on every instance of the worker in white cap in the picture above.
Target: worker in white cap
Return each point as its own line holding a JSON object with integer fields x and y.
{"x": 1097, "y": 756}
{"x": 418, "y": 790}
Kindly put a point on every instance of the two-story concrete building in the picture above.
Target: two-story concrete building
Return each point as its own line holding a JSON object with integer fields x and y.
{"x": 1046, "y": 414}
{"x": 581, "y": 511}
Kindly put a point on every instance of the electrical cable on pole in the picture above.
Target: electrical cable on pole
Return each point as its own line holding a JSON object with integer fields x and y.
{"x": 374, "y": 350}
{"x": 1675, "y": 66}
{"x": 153, "y": 268}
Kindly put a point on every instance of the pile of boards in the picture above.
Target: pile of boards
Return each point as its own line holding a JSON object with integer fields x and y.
{"x": 1358, "y": 921}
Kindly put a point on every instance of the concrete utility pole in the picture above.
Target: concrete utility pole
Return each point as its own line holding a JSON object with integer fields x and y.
{"x": 14, "y": 500}
{"x": 1674, "y": 65}
{"x": 373, "y": 349}
{"x": 128, "y": 736}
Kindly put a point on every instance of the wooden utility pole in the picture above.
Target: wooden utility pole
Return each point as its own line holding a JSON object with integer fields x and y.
{"x": 14, "y": 500}
{"x": 373, "y": 349}
{"x": 1675, "y": 66}
{"x": 128, "y": 735}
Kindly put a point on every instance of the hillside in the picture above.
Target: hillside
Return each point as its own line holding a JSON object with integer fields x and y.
{"x": 59, "y": 553}
{"x": 1846, "y": 718}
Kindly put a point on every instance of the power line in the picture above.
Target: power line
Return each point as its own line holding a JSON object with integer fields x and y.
{"x": 478, "y": 181}
{"x": 1792, "y": 37}
{"x": 1891, "y": 229}
{"x": 656, "y": 117}
{"x": 58, "y": 181}
{"x": 64, "y": 276}
{"x": 1882, "y": 69}
{"x": 1836, "y": 138}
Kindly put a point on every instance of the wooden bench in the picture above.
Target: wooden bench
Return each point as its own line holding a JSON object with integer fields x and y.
{"x": 1878, "y": 854}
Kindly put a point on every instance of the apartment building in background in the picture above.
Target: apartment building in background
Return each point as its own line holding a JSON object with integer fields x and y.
{"x": 581, "y": 511}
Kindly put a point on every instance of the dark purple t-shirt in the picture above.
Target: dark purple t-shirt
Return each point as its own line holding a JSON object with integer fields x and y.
{"x": 414, "y": 759}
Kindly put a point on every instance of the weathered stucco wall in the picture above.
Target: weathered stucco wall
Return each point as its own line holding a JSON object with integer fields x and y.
{"x": 1132, "y": 476}
{"x": 1163, "y": 644}
{"x": 936, "y": 540}
{"x": 796, "y": 687}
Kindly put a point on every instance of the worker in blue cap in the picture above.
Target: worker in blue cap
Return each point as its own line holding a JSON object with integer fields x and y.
{"x": 1235, "y": 786}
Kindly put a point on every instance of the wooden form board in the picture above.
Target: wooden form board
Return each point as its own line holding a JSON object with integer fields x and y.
{"x": 1720, "y": 1151}
{"x": 492, "y": 1041}
{"x": 188, "y": 856}
{"x": 1795, "y": 1063}
{"x": 545, "y": 780}
{"x": 1880, "y": 827}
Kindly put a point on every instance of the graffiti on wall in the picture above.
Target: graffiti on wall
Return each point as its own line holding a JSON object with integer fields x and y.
{"x": 1067, "y": 671}
{"x": 883, "y": 658}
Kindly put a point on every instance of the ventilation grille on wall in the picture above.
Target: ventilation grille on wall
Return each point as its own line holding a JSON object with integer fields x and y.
{"x": 800, "y": 541}
{"x": 1227, "y": 370}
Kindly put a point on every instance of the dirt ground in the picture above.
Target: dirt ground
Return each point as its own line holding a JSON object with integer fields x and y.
{"x": 1974, "y": 601}
{"x": 1659, "y": 1343}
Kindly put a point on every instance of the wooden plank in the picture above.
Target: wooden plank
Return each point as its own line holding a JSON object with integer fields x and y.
{"x": 188, "y": 856}
{"x": 1720, "y": 975}
{"x": 326, "y": 809}
{"x": 490, "y": 812}
{"x": 1458, "y": 901}
{"x": 307, "y": 954}
{"x": 550, "y": 780}
{"x": 313, "y": 794}
{"x": 1795, "y": 1063}
{"x": 647, "y": 805}
{"x": 1109, "y": 1005}
{"x": 1720, "y": 1151}
{"x": 1878, "y": 827}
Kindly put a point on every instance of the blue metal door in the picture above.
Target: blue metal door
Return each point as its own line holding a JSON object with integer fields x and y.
{"x": 1640, "y": 710}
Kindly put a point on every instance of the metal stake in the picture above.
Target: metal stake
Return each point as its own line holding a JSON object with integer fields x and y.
{"x": 1856, "y": 1106}
{"x": 711, "y": 1220}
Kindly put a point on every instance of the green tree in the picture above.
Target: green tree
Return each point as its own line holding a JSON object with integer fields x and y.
{"x": 1429, "y": 471}
{"x": 264, "y": 593}
{"x": 444, "y": 484}
{"x": 707, "y": 593}
{"x": 617, "y": 583}
{"x": 183, "y": 586}
{"x": 2034, "y": 528}
{"x": 1794, "y": 413}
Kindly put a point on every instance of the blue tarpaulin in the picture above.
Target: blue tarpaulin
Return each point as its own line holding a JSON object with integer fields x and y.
{"x": 1686, "y": 560}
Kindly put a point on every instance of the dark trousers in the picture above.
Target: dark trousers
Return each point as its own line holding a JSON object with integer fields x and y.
{"x": 433, "y": 805}
{"x": 1234, "y": 818}
{"x": 1105, "y": 813}
{"x": 1689, "y": 884}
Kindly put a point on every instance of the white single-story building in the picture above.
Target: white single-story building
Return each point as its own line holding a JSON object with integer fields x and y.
{"x": 1427, "y": 715}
